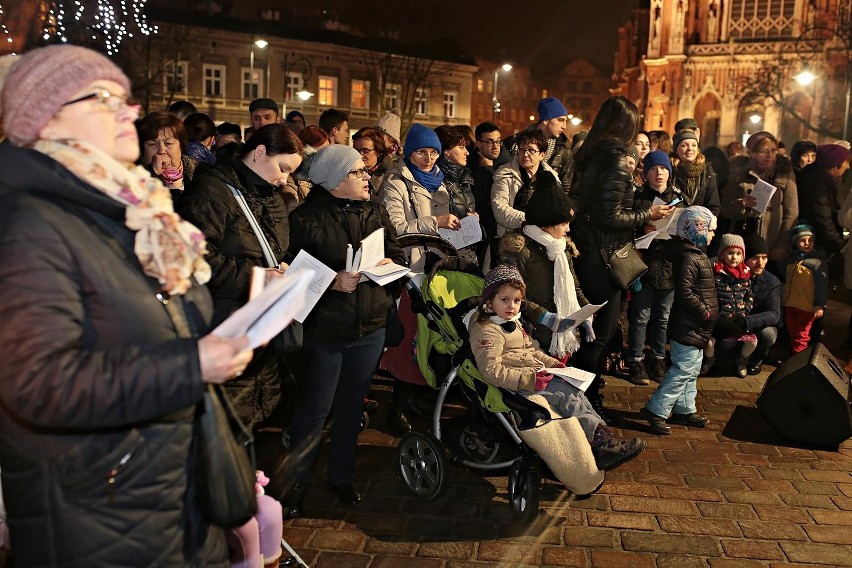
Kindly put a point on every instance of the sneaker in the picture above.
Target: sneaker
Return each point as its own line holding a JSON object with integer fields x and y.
{"x": 693, "y": 420}
{"x": 656, "y": 369}
{"x": 616, "y": 452}
{"x": 657, "y": 423}
{"x": 636, "y": 373}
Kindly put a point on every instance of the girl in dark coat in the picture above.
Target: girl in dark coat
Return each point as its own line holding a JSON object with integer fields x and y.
{"x": 99, "y": 385}
{"x": 693, "y": 175}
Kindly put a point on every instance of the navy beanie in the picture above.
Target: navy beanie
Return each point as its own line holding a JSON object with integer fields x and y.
{"x": 418, "y": 137}
{"x": 551, "y": 107}
{"x": 657, "y": 158}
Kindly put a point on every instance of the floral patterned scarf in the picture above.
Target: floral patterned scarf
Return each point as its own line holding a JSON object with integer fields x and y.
{"x": 168, "y": 248}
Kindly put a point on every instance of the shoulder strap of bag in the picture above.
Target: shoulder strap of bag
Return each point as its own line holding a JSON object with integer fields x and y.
{"x": 255, "y": 227}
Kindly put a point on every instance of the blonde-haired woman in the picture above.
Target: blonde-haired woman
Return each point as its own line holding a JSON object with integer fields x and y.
{"x": 693, "y": 175}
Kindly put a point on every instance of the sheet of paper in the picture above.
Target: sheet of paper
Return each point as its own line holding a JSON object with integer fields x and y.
{"x": 584, "y": 313}
{"x": 386, "y": 273}
{"x": 372, "y": 250}
{"x": 577, "y": 377}
{"x": 260, "y": 277}
{"x": 264, "y": 317}
{"x": 644, "y": 241}
{"x": 322, "y": 278}
{"x": 763, "y": 193}
{"x": 469, "y": 233}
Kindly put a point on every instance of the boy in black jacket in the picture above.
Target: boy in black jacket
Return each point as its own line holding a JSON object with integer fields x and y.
{"x": 693, "y": 315}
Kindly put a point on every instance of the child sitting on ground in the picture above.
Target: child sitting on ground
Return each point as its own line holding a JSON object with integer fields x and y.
{"x": 806, "y": 290}
{"x": 506, "y": 357}
{"x": 694, "y": 313}
{"x": 733, "y": 289}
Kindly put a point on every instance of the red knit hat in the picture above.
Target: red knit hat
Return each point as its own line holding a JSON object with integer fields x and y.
{"x": 45, "y": 78}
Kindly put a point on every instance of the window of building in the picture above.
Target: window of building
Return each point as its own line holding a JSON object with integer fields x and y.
{"x": 544, "y": 93}
{"x": 214, "y": 80}
{"x": 392, "y": 91}
{"x": 250, "y": 89}
{"x": 327, "y": 90}
{"x": 360, "y": 94}
{"x": 480, "y": 112}
{"x": 174, "y": 77}
{"x": 450, "y": 105}
{"x": 294, "y": 83}
{"x": 587, "y": 86}
{"x": 421, "y": 102}
{"x": 480, "y": 85}
{"x": 761, "y": 19}
{"x": 571, "y": 86}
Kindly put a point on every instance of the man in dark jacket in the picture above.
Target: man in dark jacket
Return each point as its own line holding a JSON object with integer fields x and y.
{"x": 552, "y": 120}
{"x": 818, "y": 204}
{"x": 693, "y": 316}
{"x": 490, "y": 155}
{"x": 766, "y": 293}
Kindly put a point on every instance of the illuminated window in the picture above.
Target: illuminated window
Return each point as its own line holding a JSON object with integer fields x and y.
{"x": 480, "y": 85}
{"x": 450, "y": 105}
{"x": 360, "y": 94}
{"x": 327, "y": 90}
{"x": 214, "y": 80}
{"x": 762, "y": 19}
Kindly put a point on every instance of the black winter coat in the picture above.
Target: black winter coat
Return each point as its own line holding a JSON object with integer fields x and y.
{"x": 695, "y": 308}
{"x": 322, "y": 226}
{"x": 766, "y": 292}
{"x": 818, "y": 206}
{"x": 232, "y": 251}
{"x": 605, "y": 217}
{"x": 483, "y": 176}
{"x": 659, "y": 275}
{"x": 97, "y": 392}
{"x": 561, "y": 160}
{"x": 698, "y": 184}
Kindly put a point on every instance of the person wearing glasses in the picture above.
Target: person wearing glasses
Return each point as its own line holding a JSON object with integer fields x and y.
{"x": 781, "y": 214}
{"x": 490, "y": 154}
{"x": 345, "y": 332}
{"x": 414, "y": 192}
{"x": 257, "y": 172}
{"x": 100, "y": 378}
{"x": 370, "y": 143}
{"x": 514, "y": 182}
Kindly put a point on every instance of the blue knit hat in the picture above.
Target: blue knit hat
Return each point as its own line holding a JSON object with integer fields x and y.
{"x": 657, "y": 158}
{"x": 551, "y": 107}
{"x": 695, "y": 224}
{"x": 418, "y": 137}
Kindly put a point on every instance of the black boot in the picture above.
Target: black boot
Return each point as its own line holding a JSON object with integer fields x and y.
{"x": 596, "y": 399}
{"x": 294, "y": 498}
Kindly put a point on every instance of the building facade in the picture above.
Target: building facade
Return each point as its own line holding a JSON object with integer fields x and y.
{"x": 733, "y": 64}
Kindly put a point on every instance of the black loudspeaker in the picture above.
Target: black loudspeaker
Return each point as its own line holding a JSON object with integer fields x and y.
{"x": 807, "y": 399}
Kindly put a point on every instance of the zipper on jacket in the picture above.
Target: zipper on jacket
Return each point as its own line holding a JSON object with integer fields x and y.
{"x": 113, "y": 474}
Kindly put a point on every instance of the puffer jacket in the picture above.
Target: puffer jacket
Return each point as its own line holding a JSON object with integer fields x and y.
{"x": 733, "y": 294}
{"x": 606, "y": 217}
{"x": 506, "y": 359}
{"x": 536, "y": 269}
{"x": 459, "y": 183}
{"x": 766, "y": 292}
{"x": 322, "y": 226}
{"x": 412, "y": 208}
{"x": 659, "y": 275}
{"x": 698, "y": 183}
{"x": 232, "y": 251}
{"x": 695, "y": 308}
{"x": 783, "y": 209}
{"x": 97, "y": 391}
{"x": 560, "y": 161}
{"x": 507, "y": 182}
{"x": 818, "y": 207}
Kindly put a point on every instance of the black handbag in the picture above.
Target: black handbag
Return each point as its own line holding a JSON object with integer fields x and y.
{"x": 624, "y": 264}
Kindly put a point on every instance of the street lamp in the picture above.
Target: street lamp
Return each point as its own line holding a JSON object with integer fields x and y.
{"x": 576, "y": 120}
{"x": 805, "y": 77}
{"x": 260, "y": 44}
{"x": 495, "y": 104}
{"x": 755, "y": 118}
{"x": 303, "y": 94}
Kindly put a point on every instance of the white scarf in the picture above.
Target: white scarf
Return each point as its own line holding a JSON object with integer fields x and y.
{"x": 564, "y": 292}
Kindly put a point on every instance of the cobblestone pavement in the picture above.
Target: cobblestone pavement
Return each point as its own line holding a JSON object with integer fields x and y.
{"x": 733, "y": 494}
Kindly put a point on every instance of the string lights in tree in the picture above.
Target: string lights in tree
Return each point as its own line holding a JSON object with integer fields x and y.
{"x": 109, "y": 21}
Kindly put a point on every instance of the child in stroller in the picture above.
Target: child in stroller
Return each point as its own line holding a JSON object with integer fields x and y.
{"x": 507, "y": 358}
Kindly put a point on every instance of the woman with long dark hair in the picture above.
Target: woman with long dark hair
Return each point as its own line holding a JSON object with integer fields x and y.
{"x": 605, "y": 221}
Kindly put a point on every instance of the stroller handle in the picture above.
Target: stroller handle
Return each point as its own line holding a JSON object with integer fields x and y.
{"x": 428, "y": 241}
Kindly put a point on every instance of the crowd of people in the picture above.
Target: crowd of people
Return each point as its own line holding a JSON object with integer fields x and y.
{"x": 110, "y": 216}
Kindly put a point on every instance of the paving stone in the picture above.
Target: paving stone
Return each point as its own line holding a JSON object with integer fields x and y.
{"x": 832, "y": 517}
{"x": 714, "y": 482}
{"x": 844, "y": 503}
{"x": 815, "y": 501}
{"x": 670, "y": 543}
{"x": 689, "y": 493}
{"x": 755, "y": 550}
{"x": 669, "y": 443}
{"x": 635, "y": 489}
{"x": 727, "y": 510}
{"x": 741, "y": 471}
{"x": 656, "y": 478}
{"x": 711, "y": 457}
{"x": 734, "y": 563}
{"x": 699, "y": 526}
{"x": 771, "y": 530}
{"x": 830, "y": 554}
{"x": 753, "y": 497}
{"x": 651, "y": 505}
{"x": 688, "y": 467}
{"x": 782, "y": 514}
{"x": 827, "y": 475}
{"x": 829, "y": 533}
{"x": 834, "y": 465}
{"x": 343, "y": 560}
{"x": 618, "y": 559}
{"x": 508, "y": 552}
{"x": 773, "y": 485}
{"x": 679, "y": 561}
{"x": 407, "y": 561}
{"x": 336, "y": 539}
{"x": 590, "y": 537}
{"x": 749, "y": 459}
{"x": 298, "y": 536}
{"x": 816, "y": 487}
{"x": 598, "y": 502}
{"x": 562, "y": 556}
{"x": 448, "y": 550}
{"x": 769, "y": 472}
{"x": 390, "y": 547}
{"x": 622, "y": 521}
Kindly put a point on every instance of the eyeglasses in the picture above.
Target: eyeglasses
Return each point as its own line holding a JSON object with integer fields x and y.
{"x": 359, "y": 173}
{"x": 111, "y": 101}
{"x": 365, "y": 151}
{"x": 529, "y": 151}
{"x": 431, "y": 154}
{"x": 491, "y": 142}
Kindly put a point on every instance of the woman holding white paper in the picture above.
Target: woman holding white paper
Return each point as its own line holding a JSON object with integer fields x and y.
{"x": 345, "y": 332}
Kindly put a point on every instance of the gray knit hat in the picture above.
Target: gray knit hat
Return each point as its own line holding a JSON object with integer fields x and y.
{"x": 683, "y": 135}
{"x": 731, "y": 241}
{"x": 332, "y": 164}
{"x": 43, "y": 80}
{"x": 496, "y": 277}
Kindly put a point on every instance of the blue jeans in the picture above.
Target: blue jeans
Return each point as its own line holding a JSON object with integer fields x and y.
{"x": 338, "y": 378}
{"x": 678, "y": 388}
{"x": 649, "y": 308}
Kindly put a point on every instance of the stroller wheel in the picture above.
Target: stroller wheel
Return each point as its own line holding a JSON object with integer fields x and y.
{"x": 365, "y": 420}
{"x": 422, "y": 465}
{"x": 524, "y": 487}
